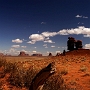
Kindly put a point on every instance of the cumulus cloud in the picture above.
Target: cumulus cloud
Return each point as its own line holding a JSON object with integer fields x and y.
{"x": 79, "y": 30}
{"x": 45, "y": 45}
{"x": 43, "y": 22}
{"x": 34, "y": 51}
{"x": 87, "y": 46}
{"x": 58, "y": 52}
{"x": 80, "y": 16}
{"x": 88, "y": 35}
{"x": 15, "y": 46}
{"x": 49, "y": 41}
{"x": 49, "y": 34}
{"x": 35, "y": 37}
{"x": 12, "y": 50}
{"x": 31, "y": 42}
{"x": 45, "y": 36}
{"x": 52, "y": 46}
{"x": 85, "y": 17}
{"x": 17, "y": 41}
{"x": 23, "y": 46}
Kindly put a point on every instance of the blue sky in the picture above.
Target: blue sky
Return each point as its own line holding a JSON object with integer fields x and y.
{"x": 42, "y": 26}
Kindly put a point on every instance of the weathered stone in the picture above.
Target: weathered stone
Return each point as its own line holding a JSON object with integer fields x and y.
{"x": 50, "y": 54}
{"x": 41, "y": 77}
{"x": 73, "y": 44}
{"x": 36, "y": 54}
{"x": 22, "y": 53}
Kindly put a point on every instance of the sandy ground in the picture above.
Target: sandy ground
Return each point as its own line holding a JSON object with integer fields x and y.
{"x": 76, "y": 66}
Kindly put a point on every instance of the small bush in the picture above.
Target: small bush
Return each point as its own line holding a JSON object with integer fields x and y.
{"x": 9, "y": 67}
{"x": 83, "y": 68}
{"x": 55, "y": 82}
{"x": 64, "y": 71}
{"x": 22, "y": 77}
{"x": 2, "y": 61}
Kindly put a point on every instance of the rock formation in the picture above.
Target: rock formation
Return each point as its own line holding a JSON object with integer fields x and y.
{"x": 78, "y": 44}
{"x": 36, "y": 54}
{"x": 58, "y": 54}
{"x": 41, "y": 77}
{"x": 70, "y": 43}
{"x": 22, "y": 53}
{"x": 73, "y": 44}
{"x": 50, "y": 54}
{"x": 1, "y": 54}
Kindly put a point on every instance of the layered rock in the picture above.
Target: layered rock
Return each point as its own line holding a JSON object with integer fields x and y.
{"x": 22, "y": 53}
{"x": 73, "y": 44}
{"x": 36, "y": 54}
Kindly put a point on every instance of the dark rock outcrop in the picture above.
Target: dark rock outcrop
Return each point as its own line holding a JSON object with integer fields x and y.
{"x": 22, "y": 53}
{"x": 73, "y": 44}
{"x": 36, "y": 54}
{"x": 58, "y": 54}
{"x": 41, "y": 77}
{"x": 50, "y": 54}
{"x": 1, "y": 54}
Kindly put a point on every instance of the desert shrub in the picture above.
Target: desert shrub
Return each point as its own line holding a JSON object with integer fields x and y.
{"x": 64, "y": 71}
{"x": 55, "y": 82}
{"x": 9, "y": 67}
{"x": 83, "y": 68}
{"x": 22, "y": 77}
{"x": 2, "y": 61}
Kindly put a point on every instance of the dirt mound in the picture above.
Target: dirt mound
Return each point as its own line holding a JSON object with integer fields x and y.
{"x": 79, "y": 52}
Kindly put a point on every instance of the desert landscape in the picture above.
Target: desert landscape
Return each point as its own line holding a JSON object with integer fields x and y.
{"x": 66, "y": 71}
{"x": 72, "y": 71}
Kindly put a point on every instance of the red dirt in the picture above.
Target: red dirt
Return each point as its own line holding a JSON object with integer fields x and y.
{"x": 77, "y": 64}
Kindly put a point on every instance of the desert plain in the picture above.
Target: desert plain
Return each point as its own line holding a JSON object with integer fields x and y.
{"x": 16, "y": 73}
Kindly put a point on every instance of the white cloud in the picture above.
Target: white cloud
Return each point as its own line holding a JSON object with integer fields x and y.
{"x": 17, "y": 41}
{"x": 63, "y": 32}
{"x": 36, "y": 37}
{"x": 49, "y": 41}
{"x": 87, "y": 35}
{"x": 15, "y": 46}
{"x": 35, "y": 47}
{"x": 31, "y": 42}
{"x": 49, "y": 34}
{"x": 52, "y": 46}
{"x": 45, "y": 45}
{"x": 45, "y": 36}
{"x": 24, "y": 50}
{"x": 79, "y": 30}
{"x": 85, "y": 17}
{"x": 34, "y": 51}
{"x": 43, "y": 22}
{"x": 23, "y": 46}
{"x": 48, "y": 52}
{"x": 87, "y": 46}
{"x": 78, "y": 16}
{"x": 58, "y": 52}
{"x": 12, "y": 50}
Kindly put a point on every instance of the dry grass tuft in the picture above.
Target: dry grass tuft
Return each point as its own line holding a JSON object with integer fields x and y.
{"x": 55, "y": 82}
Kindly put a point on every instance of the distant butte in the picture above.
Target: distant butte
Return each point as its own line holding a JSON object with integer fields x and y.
{"x": 22, "y": 53}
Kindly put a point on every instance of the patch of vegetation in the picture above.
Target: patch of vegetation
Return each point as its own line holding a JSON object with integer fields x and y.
{"x": 55, "y": 82}
{"x": 83, "y": 68}
{"x": 2, "y": 61}
{"x": 64, "y": 71}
